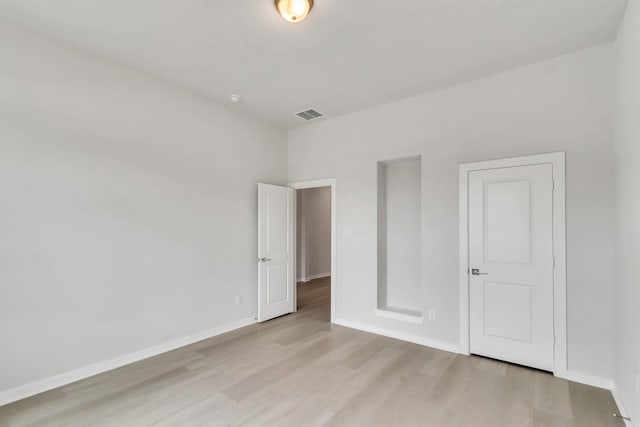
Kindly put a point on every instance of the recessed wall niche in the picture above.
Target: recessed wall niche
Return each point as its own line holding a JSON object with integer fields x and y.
{"x": 399, "y": 239}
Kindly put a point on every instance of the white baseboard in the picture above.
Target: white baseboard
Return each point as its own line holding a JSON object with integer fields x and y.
{"x": 621, "y": 407}
{"x": 428, "y": 342}
{"x": 453, "y": 348}
{"x": 587, "y": 379}
{"x": 314, "y": 276}
{"x": 40, "y": 386}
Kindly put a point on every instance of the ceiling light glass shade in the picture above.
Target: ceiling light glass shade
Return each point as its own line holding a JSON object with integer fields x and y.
{"x": 294, "y": 10}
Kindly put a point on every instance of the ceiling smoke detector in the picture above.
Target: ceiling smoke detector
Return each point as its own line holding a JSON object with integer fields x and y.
{"x": 309, "y": 114}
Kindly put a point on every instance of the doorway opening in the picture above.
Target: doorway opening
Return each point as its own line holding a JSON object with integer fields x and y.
{"x": 315, "y": 246}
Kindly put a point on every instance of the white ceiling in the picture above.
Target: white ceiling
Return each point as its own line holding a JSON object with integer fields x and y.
{"x": 348, "y": 54}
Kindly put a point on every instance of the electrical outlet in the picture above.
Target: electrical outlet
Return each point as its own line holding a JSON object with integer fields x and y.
{"x": 238, "y": 300}
{"x": 432, "y": 315}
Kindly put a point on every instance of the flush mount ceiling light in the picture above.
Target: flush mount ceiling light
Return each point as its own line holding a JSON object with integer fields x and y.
{"x": 294, "y": 10}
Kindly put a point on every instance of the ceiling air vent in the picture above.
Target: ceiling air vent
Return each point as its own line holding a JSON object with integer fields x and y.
{"x": 309, "y": 114}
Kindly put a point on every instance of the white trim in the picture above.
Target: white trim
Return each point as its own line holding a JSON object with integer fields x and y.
{"x": 303, "y": 237}
{"x": 60, "y": 380}
{"x": 621, "y": 406}
{"x": 559, "y": 247}
{"x": 579, "y": 377}
{"x": 313, "y": 277}
{"x": 329, "y": 182}
{"x": 397, "y": 315}
{"x": 427, "y": 342}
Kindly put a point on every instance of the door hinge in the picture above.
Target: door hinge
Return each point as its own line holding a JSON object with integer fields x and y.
{"x": 554, "y": 261}
{"x": 553, "y": 185}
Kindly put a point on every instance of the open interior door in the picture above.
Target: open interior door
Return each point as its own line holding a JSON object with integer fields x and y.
{"x": 276, "y": 281}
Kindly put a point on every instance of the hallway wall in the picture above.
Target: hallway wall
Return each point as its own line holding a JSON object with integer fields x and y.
{"x": 313, "y": 233}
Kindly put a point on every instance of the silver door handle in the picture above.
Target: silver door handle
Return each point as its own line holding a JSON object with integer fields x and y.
{"x": 476, "y": 272}
{"x": 263, "y": 259}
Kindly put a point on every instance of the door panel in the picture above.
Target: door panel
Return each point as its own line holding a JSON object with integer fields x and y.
{"x": 276, "y": 277}
{"x": 511, "y": 264}
{"x": 277, "y": 221}
{"x": 507, "y": 311}
{"x": 275, "y": 251}
{"x": 508, "y": 221}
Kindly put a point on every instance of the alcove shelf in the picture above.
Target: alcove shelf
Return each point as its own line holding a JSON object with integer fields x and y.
{"x": 404, "y": 314}
{"x": 399, "y": 239}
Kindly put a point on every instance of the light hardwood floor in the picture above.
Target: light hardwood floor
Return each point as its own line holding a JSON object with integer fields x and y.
{"x": 300, "y": 370}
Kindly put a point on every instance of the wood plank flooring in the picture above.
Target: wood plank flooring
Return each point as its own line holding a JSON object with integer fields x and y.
{"x": 300, "y": 370}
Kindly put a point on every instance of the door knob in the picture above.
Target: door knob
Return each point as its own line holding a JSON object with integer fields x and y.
{"x": 476, "y": 272}
{"x": 263, "y": 259}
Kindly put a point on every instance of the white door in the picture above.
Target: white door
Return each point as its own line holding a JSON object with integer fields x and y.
{"x": 511, "y": 264}
{"x": 276, "y": 281}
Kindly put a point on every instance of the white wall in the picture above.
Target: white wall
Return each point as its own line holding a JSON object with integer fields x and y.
{"x": 627, "y": 167}
{"x": 314, "y": 233}
{"x": 402, "y": 221}
{"x": 563, "y": 104}
{"x": 128, "y": 209}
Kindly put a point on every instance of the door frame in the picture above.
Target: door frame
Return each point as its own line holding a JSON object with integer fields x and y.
{"x": 318, "y": 183}
{"x": 557, "y": 160}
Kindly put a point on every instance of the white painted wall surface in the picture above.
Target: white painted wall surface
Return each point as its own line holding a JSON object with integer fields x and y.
{"x": 128, "y": 209}
{"x": 627, "y": 168}
{"x": 402, "y": 284}
{"x": 314, "y": 233}
{"x": 563, "y": 104}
